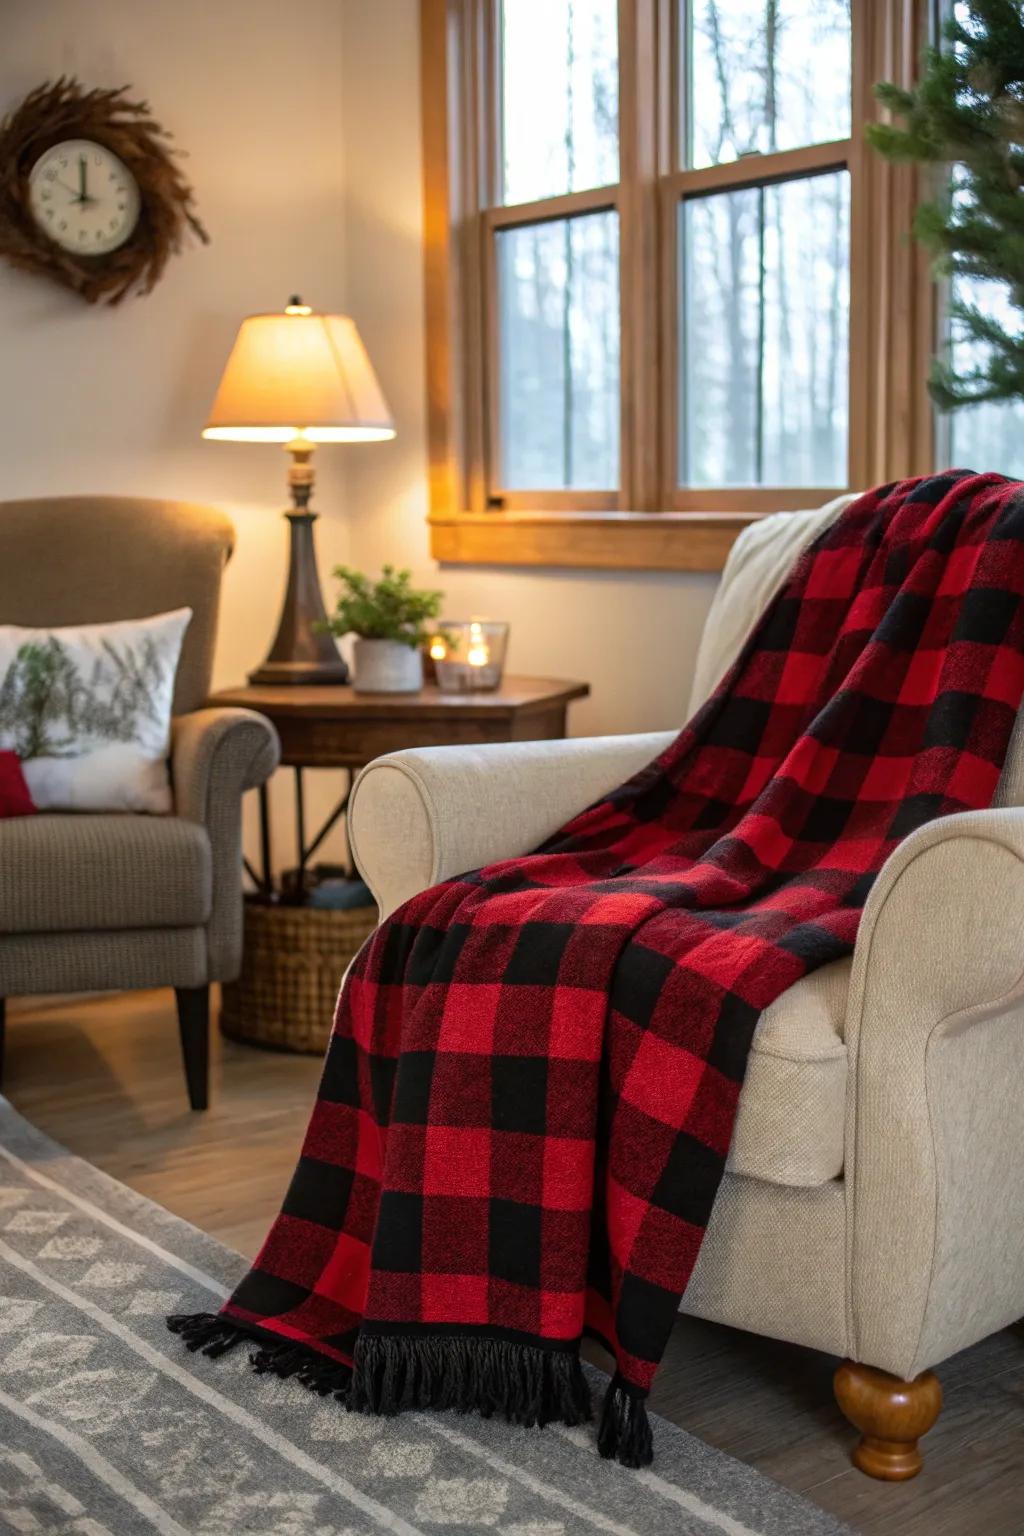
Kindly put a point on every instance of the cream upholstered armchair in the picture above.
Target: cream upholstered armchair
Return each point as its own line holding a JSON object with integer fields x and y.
{"x": 97, "y": 902}
{"x": 873, "y": 1206}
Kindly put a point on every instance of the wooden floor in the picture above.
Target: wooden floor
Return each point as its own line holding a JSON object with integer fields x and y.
{"x": 103, "y": 1077}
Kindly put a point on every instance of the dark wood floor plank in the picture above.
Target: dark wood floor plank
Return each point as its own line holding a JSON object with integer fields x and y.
{"x": 103, "y": 1076}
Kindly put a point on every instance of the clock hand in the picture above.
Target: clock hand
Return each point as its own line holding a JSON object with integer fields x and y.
{"x": 81, "y": 179}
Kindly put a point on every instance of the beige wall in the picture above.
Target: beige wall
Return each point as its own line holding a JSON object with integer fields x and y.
{"x": 632, "y": 636}
{"x": 113, "y": 400}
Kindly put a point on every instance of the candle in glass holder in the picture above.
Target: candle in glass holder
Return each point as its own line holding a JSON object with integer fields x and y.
{"x": 479, "y": 653}
{"x": 469, "y": 655}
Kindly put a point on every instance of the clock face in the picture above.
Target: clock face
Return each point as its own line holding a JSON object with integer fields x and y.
{"x": 83, "y": 197}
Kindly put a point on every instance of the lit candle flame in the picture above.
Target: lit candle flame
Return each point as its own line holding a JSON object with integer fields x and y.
{"x": 438, "y": 649}
{"x": 479, "y": 653}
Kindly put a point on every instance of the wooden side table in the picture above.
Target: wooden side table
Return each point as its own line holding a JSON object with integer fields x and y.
{"x": 332, "y": 726}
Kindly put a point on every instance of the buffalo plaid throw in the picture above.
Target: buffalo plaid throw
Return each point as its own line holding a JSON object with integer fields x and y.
{"x": 531, "y": 1085}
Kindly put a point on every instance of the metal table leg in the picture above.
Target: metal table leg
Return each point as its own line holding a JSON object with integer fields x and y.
{"x": 264, "y": 881}
{"x": 300, "y": 830}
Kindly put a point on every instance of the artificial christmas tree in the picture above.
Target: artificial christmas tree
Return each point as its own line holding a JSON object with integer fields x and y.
{"x": 966, "y": 116}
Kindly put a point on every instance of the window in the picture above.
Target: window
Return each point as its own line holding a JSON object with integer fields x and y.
{"x": 647, "y": 223}
{"x": 558, "y": 354}
{"x": 983, "y": 436}
{"x": 554, "y": 339}
{"x": 763, "y": 268}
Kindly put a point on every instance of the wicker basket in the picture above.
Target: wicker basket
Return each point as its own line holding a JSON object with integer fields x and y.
{"x": 292, "y": 966}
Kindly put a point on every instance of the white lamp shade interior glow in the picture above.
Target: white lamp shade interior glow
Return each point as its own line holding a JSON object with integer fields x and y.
{"x": 298, "y": 374}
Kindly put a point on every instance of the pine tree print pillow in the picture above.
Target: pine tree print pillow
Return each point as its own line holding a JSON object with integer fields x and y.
{"x": 87, "y": 709}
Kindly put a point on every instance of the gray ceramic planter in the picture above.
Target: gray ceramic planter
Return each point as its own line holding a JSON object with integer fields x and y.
{"x": 387, "y": 666}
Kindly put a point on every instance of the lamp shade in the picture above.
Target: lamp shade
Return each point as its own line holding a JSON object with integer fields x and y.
{"x": 299, "y": 374}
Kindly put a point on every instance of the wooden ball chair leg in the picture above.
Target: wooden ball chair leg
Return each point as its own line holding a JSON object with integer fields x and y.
{"x": 891, "y": 1415}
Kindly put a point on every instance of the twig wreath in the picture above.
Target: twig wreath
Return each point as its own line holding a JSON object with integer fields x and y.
{"x": 62, "y": 109}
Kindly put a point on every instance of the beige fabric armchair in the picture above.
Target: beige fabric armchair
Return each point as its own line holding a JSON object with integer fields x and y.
{"x": 91, "y": 902}
{"x": 873, "y": 1205}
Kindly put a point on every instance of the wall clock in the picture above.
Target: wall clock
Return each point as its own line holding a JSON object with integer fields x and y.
{"x": 83, "y": 197}
{"x": 91, "y": 193}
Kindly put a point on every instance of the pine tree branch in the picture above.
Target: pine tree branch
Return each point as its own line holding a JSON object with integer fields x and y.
{"x": 967, "y": 112}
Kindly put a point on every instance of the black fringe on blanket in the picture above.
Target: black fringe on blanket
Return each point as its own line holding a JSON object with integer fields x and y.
{"x": 315, "y": 1372}
{"x": 625, "y": 1431}
{"x": 392, "y": 1373}
{"x": 519, "y": 1382}
{"x": 207, "y": 1334}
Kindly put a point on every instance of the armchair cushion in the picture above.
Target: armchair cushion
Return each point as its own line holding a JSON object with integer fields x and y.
{"x": 79, "y": 873}
{"x": 789, "y": 1126}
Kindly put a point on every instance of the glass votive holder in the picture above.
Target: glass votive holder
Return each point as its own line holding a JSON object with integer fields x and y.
{"x": 469, "y": 655}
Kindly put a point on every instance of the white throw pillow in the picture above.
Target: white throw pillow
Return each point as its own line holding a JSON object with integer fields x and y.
{"x": 87, "y": 708}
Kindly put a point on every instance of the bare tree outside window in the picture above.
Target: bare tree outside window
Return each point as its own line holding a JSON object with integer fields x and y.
{"x": 764, "y": 75}
{"x": 559, "y": 97}
{"x": 764, "y": 270}
{"x": 558, "y": 281}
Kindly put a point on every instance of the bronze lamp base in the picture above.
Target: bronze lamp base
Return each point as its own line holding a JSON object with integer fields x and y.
{"x": 302, "y": 652}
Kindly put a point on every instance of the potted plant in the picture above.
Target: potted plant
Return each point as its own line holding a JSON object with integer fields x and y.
{"x": 388, "y": 619}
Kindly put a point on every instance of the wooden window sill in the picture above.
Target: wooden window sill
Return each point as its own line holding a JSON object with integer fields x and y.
{"x": 624, "y": 541}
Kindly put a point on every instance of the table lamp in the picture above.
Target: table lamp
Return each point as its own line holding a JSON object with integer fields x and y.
{"x": 300, "y": 378}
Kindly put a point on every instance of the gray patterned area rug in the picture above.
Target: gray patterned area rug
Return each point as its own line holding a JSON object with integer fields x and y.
{"x": 109, "y": 1428}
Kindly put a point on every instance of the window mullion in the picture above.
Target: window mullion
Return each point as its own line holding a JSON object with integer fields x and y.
{"x": 467, "y": 232}
{"x": 891, "y": 288}
{"x": 639, "y": 255}
{"x": 486, "y": 110}
{"x": 489, "y": 94}
{"x": 546, "y": 209}
{"x": 682, "y": 108}
{"x": 672, "y": 448}
{"x": 760, "y": 170}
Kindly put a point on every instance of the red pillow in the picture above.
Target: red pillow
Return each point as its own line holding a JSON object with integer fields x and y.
{"x": 15, "y": 799}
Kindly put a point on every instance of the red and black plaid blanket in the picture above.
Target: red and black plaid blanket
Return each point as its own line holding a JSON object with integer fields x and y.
{"x": 531, "y": 1085}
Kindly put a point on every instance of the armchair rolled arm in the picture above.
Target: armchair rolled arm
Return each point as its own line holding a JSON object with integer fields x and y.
{"x": 216, "y": 755}
{"x": 934, "y": 1136}
{"x": 218, "y": 752}
{"x": 423, "y": 815}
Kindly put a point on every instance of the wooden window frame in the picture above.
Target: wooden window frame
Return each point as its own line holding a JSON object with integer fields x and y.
{"x": 650, "y": 523}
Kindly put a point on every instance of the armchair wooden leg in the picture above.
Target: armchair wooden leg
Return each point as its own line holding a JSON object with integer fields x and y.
{"x": 194, "y": 1028}
{"x": 891, "y": 1415}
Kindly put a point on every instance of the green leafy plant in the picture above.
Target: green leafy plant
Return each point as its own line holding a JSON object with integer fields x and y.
{"x": 389, "y": 609}
{"x": 967, "y": 111}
